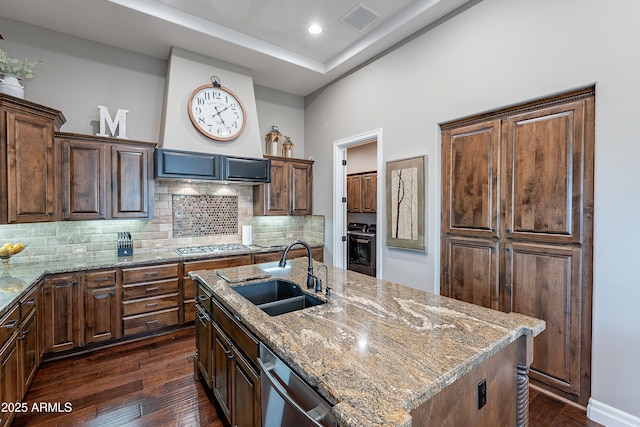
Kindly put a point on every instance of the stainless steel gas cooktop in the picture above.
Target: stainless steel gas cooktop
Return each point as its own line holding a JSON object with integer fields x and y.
{"x": 191, "y": 250}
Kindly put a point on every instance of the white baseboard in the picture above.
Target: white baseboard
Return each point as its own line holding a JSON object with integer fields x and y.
{"x": 609, "y": 416}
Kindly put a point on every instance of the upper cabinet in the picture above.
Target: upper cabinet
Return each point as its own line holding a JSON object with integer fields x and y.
{"x": 105, "y": 177}
{"x": 362, "y": 192}
{"x": 290, "y": 191}
{"x": 30, "y": 186}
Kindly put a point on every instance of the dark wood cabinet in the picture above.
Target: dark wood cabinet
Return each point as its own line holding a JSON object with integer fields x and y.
{"x": 106, "y": 178}
{"x": 362, "y": 192}
{"x": 226, "y": 358}
{"x": 316, "y": 253}
{"x": 150, "y": 298}
{"x": 517, "y": 226}
{"x": 29, "y": 186}
{"x": 30, "y": 341}
{"x": 131, "y": 181}
{"x": 63, "y": 312}
{"x": 86, "y": 177}
{"x": 102, "y": 306}
{"x": 9, "y": 362}
{"x": 290, "y": 191}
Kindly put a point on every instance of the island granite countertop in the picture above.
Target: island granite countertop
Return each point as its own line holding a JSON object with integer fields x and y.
{"x": 376, "y": 349}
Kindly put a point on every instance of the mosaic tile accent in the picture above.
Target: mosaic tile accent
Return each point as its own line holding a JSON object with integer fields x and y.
{"x": 204, "y": 215}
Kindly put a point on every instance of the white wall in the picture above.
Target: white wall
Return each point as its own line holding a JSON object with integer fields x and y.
{"x": 499, "y": 53}
{"x": 284, "y": 110}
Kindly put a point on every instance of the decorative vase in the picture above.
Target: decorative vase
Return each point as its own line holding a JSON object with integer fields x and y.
{"x": 10, "y": 85}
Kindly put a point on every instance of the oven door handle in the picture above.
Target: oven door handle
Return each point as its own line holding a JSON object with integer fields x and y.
{"x": 362, "y": 240}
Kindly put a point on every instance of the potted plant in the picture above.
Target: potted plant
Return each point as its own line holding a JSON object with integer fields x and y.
{"x": 12, "y": 72}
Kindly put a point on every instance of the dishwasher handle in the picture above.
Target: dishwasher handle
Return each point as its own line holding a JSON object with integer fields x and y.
{"x": 283, "y": 393}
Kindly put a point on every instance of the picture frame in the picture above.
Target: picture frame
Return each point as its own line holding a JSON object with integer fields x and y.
{"x": 406, "y": 181}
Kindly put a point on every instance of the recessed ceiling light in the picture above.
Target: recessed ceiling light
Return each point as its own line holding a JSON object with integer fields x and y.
{"x": 315, "y": 29}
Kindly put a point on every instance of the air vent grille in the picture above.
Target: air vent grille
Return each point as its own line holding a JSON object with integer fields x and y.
{"x": 360, "y": 17}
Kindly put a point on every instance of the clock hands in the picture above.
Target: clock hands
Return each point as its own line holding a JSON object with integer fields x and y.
{"x": 221, "y": 119}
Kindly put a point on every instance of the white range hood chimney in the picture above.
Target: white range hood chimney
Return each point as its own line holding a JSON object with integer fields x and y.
{"x": 187, "y": 71}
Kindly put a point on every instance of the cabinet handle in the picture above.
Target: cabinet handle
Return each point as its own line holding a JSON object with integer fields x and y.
{"x": 101, "y": 279}
{"x": 202, "y": 297}
{"x": 151, "y": 273}
{"x": 155, "y": 288}
{"x": 151, "y": 322}
{"x": 152, "y": 304}
{"x": 228, "y": 353}
{"x": 9, "y": 324}
{"x": 31, "y": 301}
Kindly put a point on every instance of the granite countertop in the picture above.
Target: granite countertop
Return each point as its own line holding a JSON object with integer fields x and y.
{"x": 376, "y": 349}
{"x": 19, "y": 277}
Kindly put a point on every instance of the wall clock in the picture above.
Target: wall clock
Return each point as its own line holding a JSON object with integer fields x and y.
{"x": 217, "y": 112}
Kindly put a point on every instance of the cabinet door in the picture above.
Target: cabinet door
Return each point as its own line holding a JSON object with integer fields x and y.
{"x": 247, "y": 408}
{"x": 370, "y": 193}
{"x": 62, "y": 313}
{"x": 10, "y": 375}
{"x": 28, "y": 350}
{"x": 470, "y": 271}
{"x": 204, "y": 335}
{"x": 222, "y": 370}
{"x": 545, "y": 282}
{"x": 131, "y": 181}
{"x": 354, "y": 193}
{"x": 101, "y": 312}
{"x": 276, "y": 194}
{"x": 545, "y": 170}
{"x": 31, "y": 183}
{"x": 470, "y": 160}
{"x": 301, "y": 189}
{"x": 85, "y": 171}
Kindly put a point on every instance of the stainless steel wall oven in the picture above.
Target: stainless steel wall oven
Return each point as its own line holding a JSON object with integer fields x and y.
{"x": 361, "y": 248}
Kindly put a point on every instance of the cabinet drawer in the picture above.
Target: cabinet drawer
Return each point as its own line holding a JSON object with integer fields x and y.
{"x": 148, "y": 322}
{"x": 29, "y": 302}
{"x": 9, "y": 324}
{"x": 243, "y": 339}
{"x": 99, "y": 279}
{"x": 140, "y": 290}
{"x": 153, "y": 272}
{"x": 146, "y": 305}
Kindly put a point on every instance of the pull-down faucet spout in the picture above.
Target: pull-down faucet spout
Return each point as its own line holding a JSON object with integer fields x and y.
{"x": 283, "y": 261}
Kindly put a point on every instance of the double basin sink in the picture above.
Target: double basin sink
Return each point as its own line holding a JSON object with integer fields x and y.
{"x": 277, "y": 296}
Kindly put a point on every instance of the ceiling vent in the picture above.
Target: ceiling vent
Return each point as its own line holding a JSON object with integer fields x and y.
{"x": 360, "y": 17}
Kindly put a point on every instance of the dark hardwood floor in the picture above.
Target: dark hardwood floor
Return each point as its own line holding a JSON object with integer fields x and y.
{"x": 151, "y": 383}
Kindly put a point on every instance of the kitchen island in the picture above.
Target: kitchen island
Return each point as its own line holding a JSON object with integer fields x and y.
{"x": 388, "y": 355}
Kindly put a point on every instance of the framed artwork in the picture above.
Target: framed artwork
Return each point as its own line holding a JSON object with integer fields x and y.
{"x": 405, "y": 203}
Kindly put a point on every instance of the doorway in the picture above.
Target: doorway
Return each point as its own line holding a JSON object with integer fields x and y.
{"x": 341, "y": 150}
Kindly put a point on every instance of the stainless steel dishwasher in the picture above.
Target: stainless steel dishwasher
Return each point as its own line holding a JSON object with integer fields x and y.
{"x": 286, "y": 399}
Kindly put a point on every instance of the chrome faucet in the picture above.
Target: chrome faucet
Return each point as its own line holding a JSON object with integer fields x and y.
{"x": 311, "y": 279}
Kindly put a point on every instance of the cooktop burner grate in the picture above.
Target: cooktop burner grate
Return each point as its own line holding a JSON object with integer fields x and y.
{"x": 190, "y": 250}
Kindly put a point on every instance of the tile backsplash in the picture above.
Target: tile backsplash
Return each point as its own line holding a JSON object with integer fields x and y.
{"x": 68, "y": 239}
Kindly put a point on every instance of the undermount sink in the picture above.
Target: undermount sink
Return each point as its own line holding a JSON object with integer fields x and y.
{"x": 277, "y": 296}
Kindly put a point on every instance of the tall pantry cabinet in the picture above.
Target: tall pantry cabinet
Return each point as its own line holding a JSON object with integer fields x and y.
{"x": 517, "y": 226}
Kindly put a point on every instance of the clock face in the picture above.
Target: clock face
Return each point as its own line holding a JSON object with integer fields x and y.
{"x": 217, "y": 113}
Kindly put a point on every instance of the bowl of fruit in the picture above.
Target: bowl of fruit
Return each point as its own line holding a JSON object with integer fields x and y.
{"x": 10, "y": 249}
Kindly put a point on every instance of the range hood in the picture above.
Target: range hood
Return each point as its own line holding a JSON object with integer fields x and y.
{"x": 176, "y": 164}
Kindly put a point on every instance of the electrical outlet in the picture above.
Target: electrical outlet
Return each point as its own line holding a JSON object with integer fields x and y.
{"x": 482, "y": 393}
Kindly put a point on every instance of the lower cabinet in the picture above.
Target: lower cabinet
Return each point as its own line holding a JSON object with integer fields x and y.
{"x": 63, "y": 314}
{"x": 9, "y": 363}
{"x": 150, "y": 298}
{"x": 102, "y": 306}
{"x": 226, "y": 355}
{"x": 30, "y": 341}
